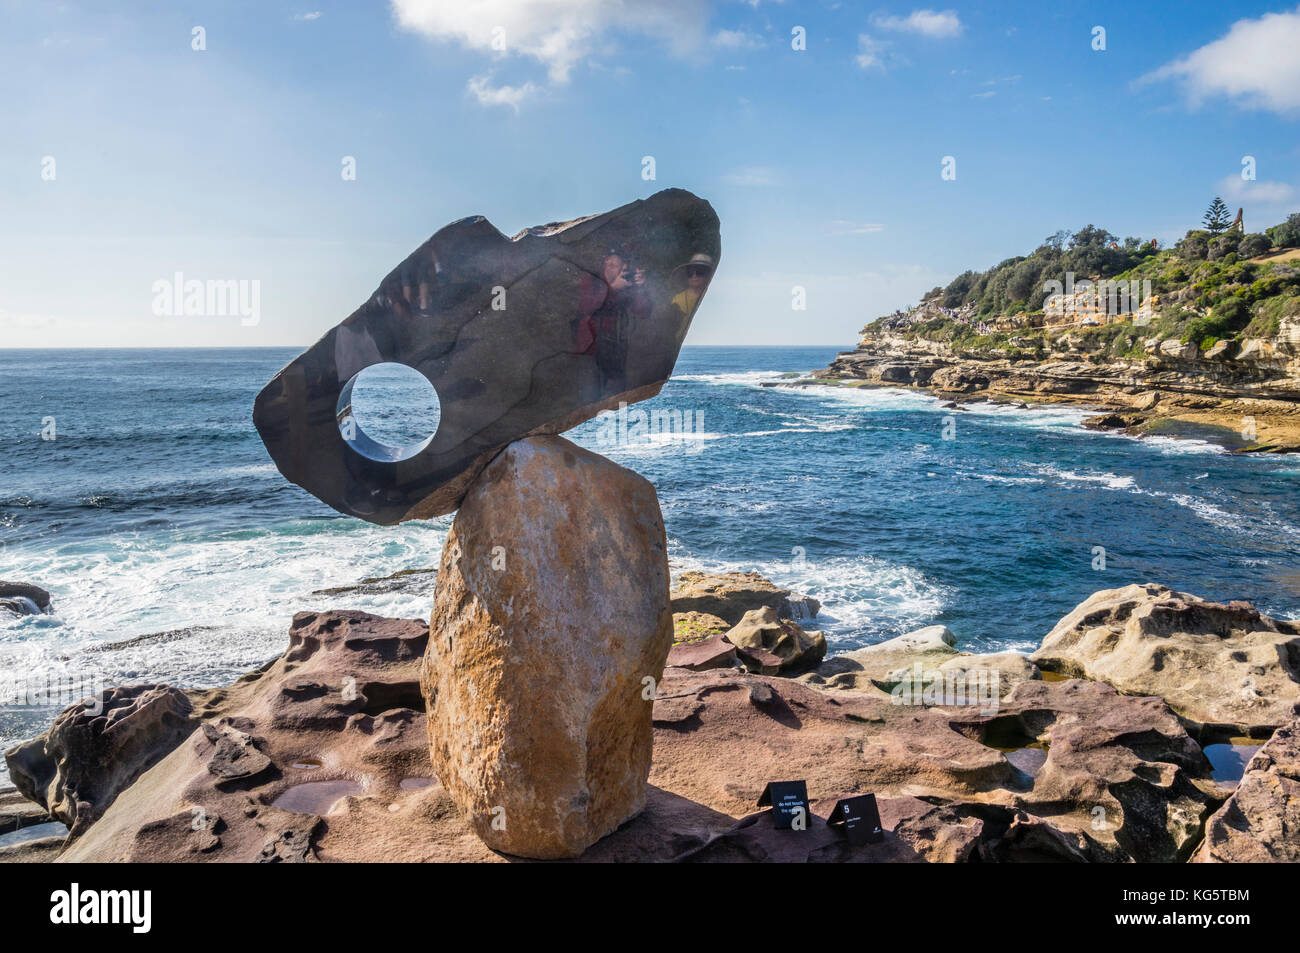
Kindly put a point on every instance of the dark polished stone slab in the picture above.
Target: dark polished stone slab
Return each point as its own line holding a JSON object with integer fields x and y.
{"x": 519, "y": 336}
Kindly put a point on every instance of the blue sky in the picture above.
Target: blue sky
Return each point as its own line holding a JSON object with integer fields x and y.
{"x": 823, "y": 163}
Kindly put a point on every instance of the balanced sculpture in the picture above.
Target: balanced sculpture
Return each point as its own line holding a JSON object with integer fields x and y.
{"x": 551, "y": 621}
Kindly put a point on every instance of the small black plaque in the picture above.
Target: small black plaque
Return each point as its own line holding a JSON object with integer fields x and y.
{"x": 860, "y": 819}
{"x": 789, "y": 803}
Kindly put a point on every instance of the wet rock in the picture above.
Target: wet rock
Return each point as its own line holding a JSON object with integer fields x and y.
{"x": 1260, "y": 822}
{"x": 1223, "y": 668}
{"x": 18, "y": 811}
{"x": 26, "y": 590}
{"x": 550, "y": 629}
{"x": 22, "y": 598}
{"x": 97, "y": 748}
{"x": 523, "y": 336}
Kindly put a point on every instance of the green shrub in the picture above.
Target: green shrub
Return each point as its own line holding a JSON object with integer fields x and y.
{"x": 1286, "y": 234}
{"x": 1254, "y": 245}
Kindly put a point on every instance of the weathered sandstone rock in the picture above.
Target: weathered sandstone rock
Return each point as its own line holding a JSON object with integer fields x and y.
{"x": 340, "y": 718}
{"x": 18, "y": 811}
{"x": 761, "y": 632}
{"x": 882, "y": 667}
{"x": 730, "y": 595}
{"x": 550, "y": 629}
{"x": 322, "y": 755}
{"x": 713, "y": 652}
{"x": 1261, "y": 821}
{"x": 1221, "y": 667}
{"x": 97, "y": 748}
{"x": 523, "y": 336}
{"x": 1115, "y": 778}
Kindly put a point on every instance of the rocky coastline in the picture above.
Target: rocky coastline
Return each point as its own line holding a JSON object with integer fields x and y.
{"x": 1245, "y": 396}
{"x": 1100, "y": 746}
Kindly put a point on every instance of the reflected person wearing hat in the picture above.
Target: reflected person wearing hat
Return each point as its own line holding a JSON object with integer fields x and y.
{"x": 698, "y": 271}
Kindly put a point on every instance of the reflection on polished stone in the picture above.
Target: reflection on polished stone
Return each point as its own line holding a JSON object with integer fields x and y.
{"x": 518, "y": 336}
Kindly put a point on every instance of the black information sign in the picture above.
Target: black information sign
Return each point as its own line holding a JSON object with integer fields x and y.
{"x": 789, "y": 803}
{"x": 860, "y": 819}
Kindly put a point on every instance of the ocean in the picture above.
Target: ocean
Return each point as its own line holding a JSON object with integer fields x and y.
{"x": 175, "y": 552}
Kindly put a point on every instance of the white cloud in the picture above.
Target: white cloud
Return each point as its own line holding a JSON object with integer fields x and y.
{"x": 935, "y": 24}
{"x": 1236, "y": 189}
{"x": 843, "y": 227}
{"x": 736, "y": 40}
{"x": 314, "y": 15}
{"x": 1255, "y": 63}
{"x": 750, "y": 175}
{"x": 488, "y": 95}
{"x": 871, "y": 52}
{"x": 559, "y": 34}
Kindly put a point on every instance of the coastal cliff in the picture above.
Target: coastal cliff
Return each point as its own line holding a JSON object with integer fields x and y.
{"x": 1163, "y": 341}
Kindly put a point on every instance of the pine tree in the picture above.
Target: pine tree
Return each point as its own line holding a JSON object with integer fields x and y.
{"x": 1216, "y": 217}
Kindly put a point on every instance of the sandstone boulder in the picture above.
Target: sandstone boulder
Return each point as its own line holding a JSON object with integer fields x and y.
{"x": 1261, "y": 821}
{"x": 1224, "y": 668}
{"x": 762, "y": 634}
{"x": 550, "y": 629}
{"x": 730, "y": 595}
{"x": 97, "y": 748}
{"x": 1179, "y": 350}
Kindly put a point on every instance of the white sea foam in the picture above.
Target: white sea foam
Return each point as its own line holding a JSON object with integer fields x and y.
{"x": 863, "y": 598}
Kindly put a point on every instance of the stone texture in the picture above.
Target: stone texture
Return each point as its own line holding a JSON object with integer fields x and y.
{"x": 18, "y": 811}
{"x": 1221, "y": 667}
{"x": 712, "y": 652}
{"x": 730, "y": 595}
{"x": 342, "y": 705}
{"x": 1260, "y": 823}
{"x": 882, "y": 667}
{"x": 23, "y": 598}
{"x": 719, "y": 742}
{"x": 551, "y": 625}
{"x": 761, "y": 634}
{"x": 97, "y": 748}
{"x": 523, "y": 336}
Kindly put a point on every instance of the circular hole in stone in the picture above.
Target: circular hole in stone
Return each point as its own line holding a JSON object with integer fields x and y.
{"x": 388, "y": 412}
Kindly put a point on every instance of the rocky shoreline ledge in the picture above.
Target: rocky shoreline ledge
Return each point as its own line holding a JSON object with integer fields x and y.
{"x": 1244, "y": 397}
{"x": 1096, "y": 747}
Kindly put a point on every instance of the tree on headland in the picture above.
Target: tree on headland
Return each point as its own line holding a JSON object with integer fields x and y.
{"x": 1287, "y": 234}
{"x": 1216, "y": 217}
